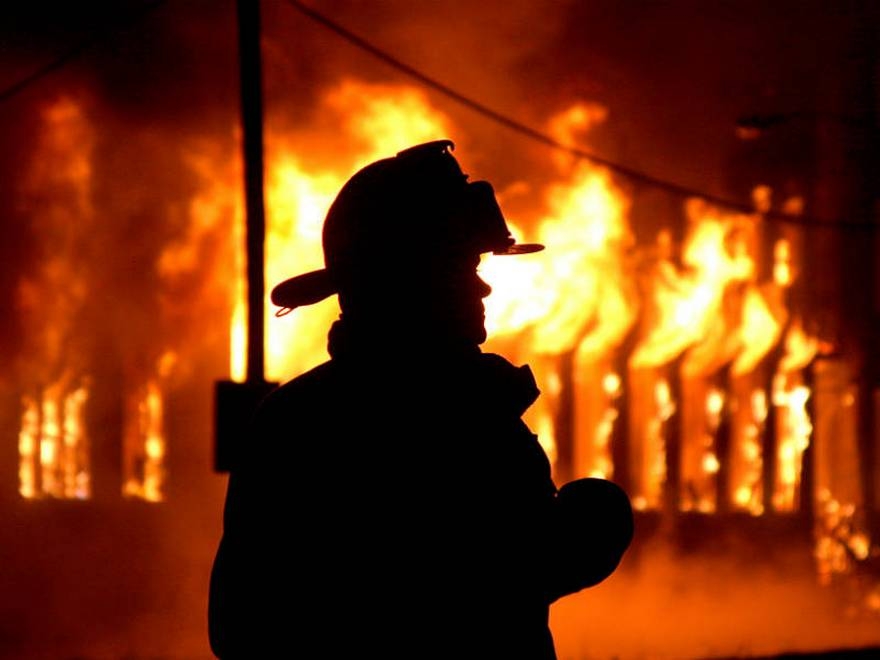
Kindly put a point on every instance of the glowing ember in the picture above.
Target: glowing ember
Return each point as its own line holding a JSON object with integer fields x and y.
{"x": 710, "y": 463}
{"x": 840, "y": 539}
{"x": 714, "y": 405}
{"x": 842, "y": 523}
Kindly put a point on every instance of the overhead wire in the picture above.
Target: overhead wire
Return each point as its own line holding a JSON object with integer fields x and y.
{"x": 630, "y": 173}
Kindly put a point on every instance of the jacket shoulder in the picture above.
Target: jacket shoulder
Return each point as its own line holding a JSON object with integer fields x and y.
{"x": 301, "y": 390}
{"x": 296, "y": 403}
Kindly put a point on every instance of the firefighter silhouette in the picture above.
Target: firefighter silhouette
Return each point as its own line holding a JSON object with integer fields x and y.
{"x": 391, "y": 502}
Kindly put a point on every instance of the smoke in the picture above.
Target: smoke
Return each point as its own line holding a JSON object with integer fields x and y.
{"x": 713, "y": 592}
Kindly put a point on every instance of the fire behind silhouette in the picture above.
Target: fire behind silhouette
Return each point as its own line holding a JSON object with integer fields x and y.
{"x": 419, "y": 515}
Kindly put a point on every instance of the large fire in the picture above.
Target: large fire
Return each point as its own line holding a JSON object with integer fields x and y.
{"x": 704, "y": 330}
{"x": 706, "y": 325}
{"x": 685, "y": 352}
{"x": 55, "y": 440}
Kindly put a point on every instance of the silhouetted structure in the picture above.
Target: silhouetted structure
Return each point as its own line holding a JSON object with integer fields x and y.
{"x": 391, "y": 502}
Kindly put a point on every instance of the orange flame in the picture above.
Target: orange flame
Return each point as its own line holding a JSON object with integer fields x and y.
{"x": 793, "y": 429}
{"x": 688, "y": 304}
{"x": 53, "y": 448}
{"x": 144, "y": 437}
{"x": 710, "y": 314}
{"x": 577, "y": 295}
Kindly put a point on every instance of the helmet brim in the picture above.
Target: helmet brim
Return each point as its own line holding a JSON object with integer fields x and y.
{"x": 317, "y": 285}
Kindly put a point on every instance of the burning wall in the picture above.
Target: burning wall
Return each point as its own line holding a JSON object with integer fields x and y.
{"x": 660, "y": 363}
{"x": 670, "y": 347}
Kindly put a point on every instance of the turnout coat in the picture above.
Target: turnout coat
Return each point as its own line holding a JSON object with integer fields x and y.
{"x": 398, "y": 506}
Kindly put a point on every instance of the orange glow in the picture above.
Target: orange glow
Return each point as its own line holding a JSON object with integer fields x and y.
{"x": 793, "y": 426}
{"x": 762, "y": 198}
{"x": 710, "y": 313}
{"x": 699, "y": 305}
{"x": 841, "y": 540}
{"x": 593, "y": 455}
{"x": 569, "y": 124}
{"x": 759, "y": 332}
{"x": 576, "y": 293}
{"x": 710, "y": 463}
{"x": 144, "y": 441}
{"x": 650, "y": 417}
{"x": 28, "y": 441}
{"x": 53, "y": 447}
{"x": 800, "y": 348}
{"x": 688, "y": 303}
{"x": 782, "y": 270}
{"x": 145, "y": 445}
{"x": 77, "y": 479}
{"x": 747, "y": 460}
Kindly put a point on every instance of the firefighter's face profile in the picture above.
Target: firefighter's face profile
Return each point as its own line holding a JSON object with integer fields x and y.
{"x": 453, "y": 299}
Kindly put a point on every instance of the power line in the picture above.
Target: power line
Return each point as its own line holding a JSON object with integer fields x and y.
{"x": 543, "y": 138}
{"x": 74, "y": 52}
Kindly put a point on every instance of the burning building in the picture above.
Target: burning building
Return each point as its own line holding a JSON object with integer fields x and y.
{"x": 717, "y": 362}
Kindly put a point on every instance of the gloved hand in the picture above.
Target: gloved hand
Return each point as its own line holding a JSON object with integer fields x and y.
{"x": 594, "y": 525}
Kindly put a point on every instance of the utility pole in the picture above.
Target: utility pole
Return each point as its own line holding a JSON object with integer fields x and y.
{"x": 250, "y": 72}
{"x": 235, "y": 403}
